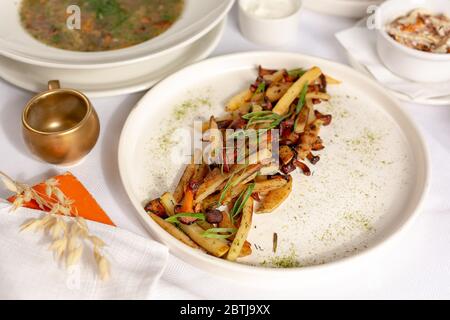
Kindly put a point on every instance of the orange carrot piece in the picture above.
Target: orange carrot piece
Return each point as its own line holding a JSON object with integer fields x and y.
{"x": 188, "y": 201}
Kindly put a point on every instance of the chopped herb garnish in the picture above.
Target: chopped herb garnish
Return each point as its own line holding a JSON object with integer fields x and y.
{"x": 296, "y": 72}
{"x": 248, "y": 116}
{"x": 258, "y": 116}
{"x": 175, "y": 217}
{"x": 56, "y": 38}
{"x": 254, "y": 117}
{"x": 301, "y": 99}
{"x": 241, "y": 201}
{"x": 109, "y": 8}
{"x": 261, "y": 88}
{"x": 225, "y": 189}
{"x": 215, "y": 233}
{"x": 301, "y": 103}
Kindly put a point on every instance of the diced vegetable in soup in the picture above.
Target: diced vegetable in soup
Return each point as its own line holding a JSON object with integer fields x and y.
{"x": 105, "y": 24}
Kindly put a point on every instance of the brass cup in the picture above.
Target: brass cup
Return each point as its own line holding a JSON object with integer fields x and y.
{"x": 60, "y": 126}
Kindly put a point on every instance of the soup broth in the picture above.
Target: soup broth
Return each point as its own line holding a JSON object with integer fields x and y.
{"x": 104, "y": 24}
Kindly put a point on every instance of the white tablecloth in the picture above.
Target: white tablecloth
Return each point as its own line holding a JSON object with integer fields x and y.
{"x": 416, "y": 265}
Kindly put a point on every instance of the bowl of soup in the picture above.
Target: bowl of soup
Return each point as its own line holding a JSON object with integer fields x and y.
{"x": 98, "y": 25}
{"x": 87, "y": 34}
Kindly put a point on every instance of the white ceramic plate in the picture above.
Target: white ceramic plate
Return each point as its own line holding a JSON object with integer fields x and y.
{"x": 198, "y": 18}
{"x": 370, "y": 182}
{"x": 441, "y": 101}
{"x": 343, "y": 8}
{"x": 109, "y": 81}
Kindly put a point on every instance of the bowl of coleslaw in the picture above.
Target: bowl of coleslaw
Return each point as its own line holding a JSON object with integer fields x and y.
{"x": 413, "y": 39}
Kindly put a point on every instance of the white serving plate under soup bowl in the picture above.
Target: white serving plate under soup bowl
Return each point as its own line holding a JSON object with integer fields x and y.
{"x": 197, "y": 19}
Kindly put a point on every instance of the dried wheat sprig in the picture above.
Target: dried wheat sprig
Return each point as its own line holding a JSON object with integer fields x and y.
{"x": 69, "y": 236}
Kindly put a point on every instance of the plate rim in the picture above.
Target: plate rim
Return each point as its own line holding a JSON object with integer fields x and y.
{"x": 237, "y": 270}
{"x": 355, "y": 64}
{"x": 358, "y": 66}
{"x": 17, "y": 56}
{"x": 326, "y": 7}
{"x": 145, "y": 84}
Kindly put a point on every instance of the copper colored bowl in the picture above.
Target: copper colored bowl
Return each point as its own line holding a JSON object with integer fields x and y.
{"x": 60, "y": 126}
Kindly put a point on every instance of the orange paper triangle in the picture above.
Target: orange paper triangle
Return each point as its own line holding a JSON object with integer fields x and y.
{"x": 84, "y": 203}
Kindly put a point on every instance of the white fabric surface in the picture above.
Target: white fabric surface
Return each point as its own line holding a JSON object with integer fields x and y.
{"x": 360, "y": 42}
{"x": 28, "y": 270}
{"x": 416, "y": 265}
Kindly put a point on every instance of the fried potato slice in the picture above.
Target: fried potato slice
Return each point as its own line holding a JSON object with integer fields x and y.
{"x": 275, "y": 198}
{"x": 302, "y": 119}
{"x": 226, "y": 223}
{"x": 246, "y": 250}
{"x": 213, "y": 181}
{"x": 155, "y": 207}
{"x": 308, "y": 139}
{"x": 239, "y": 100}
{"x": 318, "y": 95}
{"x": 243, "y": 231}
{"x": 331, "y": 80}
{"x": 201, "y": 171}
{"x": 285, "y": 102}
{"x": 174, "y": 231}
{"x": 216, "y": 247}
{"x": 210, "y": 185}
{"x": 189, "y": 171}
{"x": 277, "y": 91}
{"x": 169, "y": 202}
{"x": 261, "y": 186}
{"x": 275, "y": 77}
{"x": 286, "y": 154}
{"x": 270, "y": 184}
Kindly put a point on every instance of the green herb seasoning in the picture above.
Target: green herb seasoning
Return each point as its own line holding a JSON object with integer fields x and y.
{"x": 227, "y": 187}
{"x": 175, "y": 217}
{"x": 301, "y": 99}
{"x": 181, "y": 112}
{"x": 296, "y": 73}
{"x": 219, "y": 233}
{"x": 289, "y": 260}
{"x": 261, "y": 88}
{"x": 241, "y": 201}
{"x": 190, "y": 106}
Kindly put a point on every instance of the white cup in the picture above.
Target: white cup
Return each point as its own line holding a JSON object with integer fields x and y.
{"x": 269, "y": 31}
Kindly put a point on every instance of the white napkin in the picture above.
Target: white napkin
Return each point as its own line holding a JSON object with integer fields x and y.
{"x": 28, "y": 270}
{"x": 360, "y": 43}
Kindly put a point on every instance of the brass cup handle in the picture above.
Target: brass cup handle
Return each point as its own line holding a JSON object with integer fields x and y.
{"x": 54, "y": 84}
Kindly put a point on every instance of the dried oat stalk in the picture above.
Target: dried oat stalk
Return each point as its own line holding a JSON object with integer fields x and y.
{"x": 68, "y": 231}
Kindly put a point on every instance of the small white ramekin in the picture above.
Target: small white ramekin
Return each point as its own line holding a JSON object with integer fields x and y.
{"x": 406, "y": 62}
{"x": 269, "y": 31}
